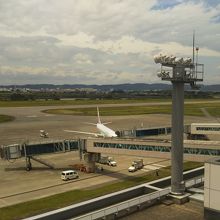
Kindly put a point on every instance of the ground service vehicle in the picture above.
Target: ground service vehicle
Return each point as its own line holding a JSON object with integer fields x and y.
{"x": 136, "y": 165}
{"x": 69, "y": 174}
{"x": 108, "y": 160}
{"x": 43, "y": 134}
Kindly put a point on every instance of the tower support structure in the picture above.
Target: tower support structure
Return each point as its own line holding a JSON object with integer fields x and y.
{"x": 177, "y": 184}
{"x": 178, "y": 71}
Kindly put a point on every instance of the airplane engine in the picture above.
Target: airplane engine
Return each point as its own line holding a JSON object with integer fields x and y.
{"x": 118, "y": 133}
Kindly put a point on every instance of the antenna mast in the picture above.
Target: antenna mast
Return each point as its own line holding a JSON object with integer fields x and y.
{"x": 193, "y": 61}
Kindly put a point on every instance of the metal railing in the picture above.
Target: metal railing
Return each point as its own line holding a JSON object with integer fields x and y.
{"x": 119, "y": 208}
{"x": 194, "y": 181}
{"x": 138, "y": 201}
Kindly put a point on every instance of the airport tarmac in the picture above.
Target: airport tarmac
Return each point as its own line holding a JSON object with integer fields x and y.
{"x": 18, "y": 185}
{"x": 30, "y": 120}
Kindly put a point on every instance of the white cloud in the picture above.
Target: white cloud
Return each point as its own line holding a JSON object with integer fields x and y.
{"x": 109, "y": 62}
{"x": 89, "y": 40}
{"x": 23, "y": 69}
{"x": 82, "y": 59}
{"x": 129, "y": 44}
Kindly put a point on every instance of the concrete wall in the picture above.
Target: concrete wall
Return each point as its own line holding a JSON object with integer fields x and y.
{"x": 212, "y": 189}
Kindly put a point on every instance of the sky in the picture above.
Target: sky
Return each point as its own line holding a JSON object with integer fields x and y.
{"x": 103, "y": 41}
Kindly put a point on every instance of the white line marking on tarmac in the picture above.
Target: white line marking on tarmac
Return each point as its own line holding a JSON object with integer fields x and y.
{"x": 159, "y": 165}
{"x": 145, "y": 169}
{"x": 149, "y": 167}
{"x": 31, "y": 116}
{"x": 152, "y": 167}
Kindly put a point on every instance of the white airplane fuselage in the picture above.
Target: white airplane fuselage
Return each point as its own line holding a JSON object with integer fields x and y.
{"x": 105, "y": 131}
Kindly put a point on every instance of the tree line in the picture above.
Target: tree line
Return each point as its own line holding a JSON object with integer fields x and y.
{"x": 116, "y": 94}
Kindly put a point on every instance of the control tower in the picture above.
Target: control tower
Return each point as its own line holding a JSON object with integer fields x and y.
{"x": 179, "y": 71}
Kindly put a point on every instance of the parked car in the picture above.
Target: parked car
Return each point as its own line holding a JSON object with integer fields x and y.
{"x": 69, "y": 174}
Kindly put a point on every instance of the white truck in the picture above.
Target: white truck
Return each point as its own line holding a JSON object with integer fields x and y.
{"x": 136, "y": 165}
{"x": 43, "y": 134}
{"x": 108, "y": 160}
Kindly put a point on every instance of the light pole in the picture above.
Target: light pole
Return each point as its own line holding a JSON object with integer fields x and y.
{"x": 179, "y": 71}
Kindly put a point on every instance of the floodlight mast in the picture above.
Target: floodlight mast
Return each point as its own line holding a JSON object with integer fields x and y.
{"x": 179, "y": 71}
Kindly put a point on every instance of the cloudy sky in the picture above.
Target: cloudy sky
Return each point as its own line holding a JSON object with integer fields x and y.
{"x": 103, "y": 41}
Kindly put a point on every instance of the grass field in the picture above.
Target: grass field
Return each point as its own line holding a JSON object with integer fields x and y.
{"x": 189, "y": 109}
{"x": 76, "y": 102}
{"x": 34, "y": 207}
{"x": 6, "y": 118}
{"x": 86, "y": 102}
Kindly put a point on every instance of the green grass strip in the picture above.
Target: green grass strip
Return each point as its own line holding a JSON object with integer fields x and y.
{"x": 189, "y": 109}
{"x": 113, "y": 111}
{"x": 88, "y": 101}
{"x": 49, "y": 203}
{"x": 6, "y": 118}
{"x": 77, "y": 102}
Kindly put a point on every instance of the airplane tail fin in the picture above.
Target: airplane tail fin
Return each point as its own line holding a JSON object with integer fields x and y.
{"x": 99, "y": 121}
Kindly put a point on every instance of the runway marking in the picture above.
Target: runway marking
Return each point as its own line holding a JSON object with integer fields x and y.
{"x": 158, "y": 165}
{"x": 145, "y": 169}
{"x": 31, "y": 116}
{"x": 152, "y": 167}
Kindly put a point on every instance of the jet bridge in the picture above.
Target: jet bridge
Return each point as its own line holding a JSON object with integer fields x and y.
{"x": 193, "y": 150}
{"x": 142, "y": 132}
{"x": 31, "y": 150}
{"x": 91, "y": 148}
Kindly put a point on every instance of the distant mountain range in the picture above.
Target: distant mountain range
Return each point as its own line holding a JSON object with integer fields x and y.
{"x": 125, "y": 87}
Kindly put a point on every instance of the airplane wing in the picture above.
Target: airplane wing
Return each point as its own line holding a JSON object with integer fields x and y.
{"x": 105, "y": 123}
{"x": 82, "y": 132}
{"x": 88, "y": 123}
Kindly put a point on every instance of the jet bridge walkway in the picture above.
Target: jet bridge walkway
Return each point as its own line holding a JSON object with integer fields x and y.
{"x": 30, "y": 150}
{"x": 194, "y": 150}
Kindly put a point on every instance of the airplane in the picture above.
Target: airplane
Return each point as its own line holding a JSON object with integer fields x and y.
{"x": 104, "y": 130}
